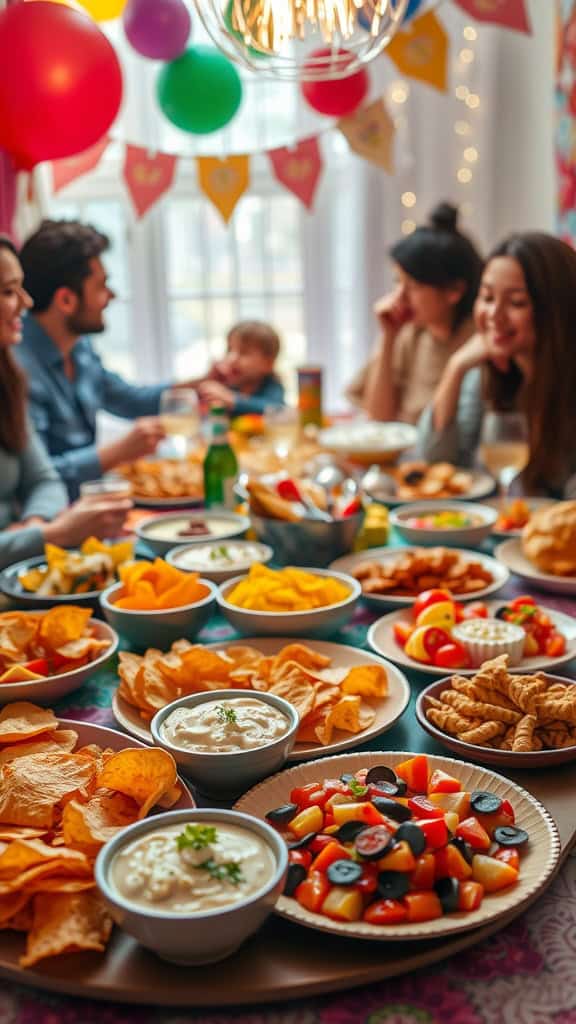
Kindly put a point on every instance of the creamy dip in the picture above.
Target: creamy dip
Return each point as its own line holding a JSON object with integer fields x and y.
{"x": 225, "y": 726}
{"x": 180, "y": 529}
{"x": 189, "y": 869}
{"x": 493, "y": 630}
{"x": 220, "y": 556}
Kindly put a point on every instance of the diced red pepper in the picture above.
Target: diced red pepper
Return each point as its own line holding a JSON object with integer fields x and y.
{"x": 424, "y": 874}
{"x": 333, "y": 851}
{"x": 422, "y": 808}
{"x": 303, "y": 857}
{"x": 508, "y": 855}
{"x": 422, "y": 906}
{"x": 309, "y": 796}
{"x": 473, "y": 832}
{"x": 441, "y": 782}
{"x": 368, "y": 884}
{"x": 385, "y": 912}
{"x": 470, "y": 895}
{"x": 414, "y": 772}
{"x": 451, "y": 864}
{"x": 435, "y": 831}
{"x": 319, "y": 842}
{"x": 40, "y": 666}
{"x": 312, "y": 892}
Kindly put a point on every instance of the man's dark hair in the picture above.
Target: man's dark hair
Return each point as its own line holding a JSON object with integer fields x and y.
{"x": 58, "y": 255}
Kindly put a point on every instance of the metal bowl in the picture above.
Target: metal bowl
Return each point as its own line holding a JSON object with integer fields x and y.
{"x": 308, "y": 542}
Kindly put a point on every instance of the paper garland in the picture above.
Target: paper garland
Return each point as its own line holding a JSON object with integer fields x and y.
{"x": 419, "y": 51}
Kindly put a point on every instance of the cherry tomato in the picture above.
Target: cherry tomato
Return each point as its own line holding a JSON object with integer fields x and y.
{"x": 435, "y": 638}
{"x": 452, "y": 655}
{"x": 428, "y": 597}
{"x": 523, "y": 599}
{"x": 303, "y": 857}
{"x": 555, "y": 646}
{"x": 288, "y": 490}
{"x": 475, "y": 610}
{"x": 402, "y": 633}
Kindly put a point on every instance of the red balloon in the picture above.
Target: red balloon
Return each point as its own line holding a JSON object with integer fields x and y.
{"x": 336, "y": 97}
{"x": 60, "y": 82}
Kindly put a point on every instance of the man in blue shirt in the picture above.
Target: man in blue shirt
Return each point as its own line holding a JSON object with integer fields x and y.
{"x": 67, "y": 382}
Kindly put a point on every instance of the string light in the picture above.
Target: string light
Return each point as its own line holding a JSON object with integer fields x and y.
{"x": 462, "y": 128}
{"x": 470, "y": 154}
{"x": 470, "y": 33}
{"x": 466, "y": 55}
{"x": 472, "y": 101}
{"x": 464, "y": 175}
{"x": 408, "y": 199}
{"x": 408, "y": 226}
{"x": 462, "y": 92}
{"x": 399, "y": 92}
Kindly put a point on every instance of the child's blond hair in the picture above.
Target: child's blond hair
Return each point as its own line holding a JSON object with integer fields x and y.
{"x": 259, "y": 335}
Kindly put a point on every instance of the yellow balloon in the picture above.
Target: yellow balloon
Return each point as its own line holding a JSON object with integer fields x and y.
{"x": 104, "y": 10}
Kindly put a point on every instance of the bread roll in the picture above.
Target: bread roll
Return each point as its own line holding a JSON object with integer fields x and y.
{"x": 549, "y": 539}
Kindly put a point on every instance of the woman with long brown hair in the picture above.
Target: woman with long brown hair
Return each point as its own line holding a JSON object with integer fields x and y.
{"x": 522, "y": 359}
{"x": 33, "y": 499}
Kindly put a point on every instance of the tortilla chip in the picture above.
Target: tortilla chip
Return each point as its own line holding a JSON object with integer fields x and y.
{"x": 61, "y": 625}
{"x": 19, "y": 674}
{"x": 23, "y": 854}
{"x": 32, "y": 786}
{"x": 87, "y": 826}
{"x": 21, "y": 720}
{"x": 298, "y": 691}
{"x": 367, "y": 681}
{"x": 143, "y": 775}
{"x": 66, "y": 923}
{"x": 63, "y": 739}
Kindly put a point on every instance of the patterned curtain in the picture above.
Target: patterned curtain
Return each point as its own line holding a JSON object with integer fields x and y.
{"x": 566, "y": 119}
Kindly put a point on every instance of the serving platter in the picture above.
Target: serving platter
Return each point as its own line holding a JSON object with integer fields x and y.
{"x": 511, "y": 555}
{"x": 537, "y": 865}
{"x": 483, "y": 485}
{"x": 283, "y": 961}
{"x": 490, "y": 755}
{"x": 166, "y": 504}
{"x": 381, "y": 639}
{"x": 534, "y": 505}
{"x": 388, "y": 709}
{"x": 11, "y": 586}
{"x": 349, "y": 563}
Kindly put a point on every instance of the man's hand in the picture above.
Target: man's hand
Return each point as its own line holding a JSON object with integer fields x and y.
{"x": 215, "y": 393}
{"x": 141, "y": 440}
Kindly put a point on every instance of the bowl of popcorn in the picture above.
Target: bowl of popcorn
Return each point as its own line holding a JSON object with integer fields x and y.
{"x": 289, "y": 602}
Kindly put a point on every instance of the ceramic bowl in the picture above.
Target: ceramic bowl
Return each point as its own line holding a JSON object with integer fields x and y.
{"x": 317, "y": 622}
{"x": 182, "y": 557}
{"x": 160, "y": 628}
{"x": 226, "y": 775}
{"x": 235, "y": 526}
{"x": 310, "y": 541}
{"x": 200, "y": 938}
{"x": 450, "y": 536}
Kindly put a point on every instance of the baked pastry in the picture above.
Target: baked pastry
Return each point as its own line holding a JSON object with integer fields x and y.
{"x": 549, "y": 539}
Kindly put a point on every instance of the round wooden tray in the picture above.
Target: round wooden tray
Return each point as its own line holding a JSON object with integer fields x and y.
{"x": 284, "y": 961}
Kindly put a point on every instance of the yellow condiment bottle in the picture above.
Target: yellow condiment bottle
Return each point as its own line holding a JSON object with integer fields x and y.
{"x": 375, "y": 529}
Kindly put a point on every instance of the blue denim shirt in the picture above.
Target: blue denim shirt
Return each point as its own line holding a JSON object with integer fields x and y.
{"x": 270, "y": 393}
{"x": 64, "y": 411}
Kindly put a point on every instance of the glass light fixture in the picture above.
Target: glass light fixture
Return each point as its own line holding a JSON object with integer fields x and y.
{"x": 278, "y": 38}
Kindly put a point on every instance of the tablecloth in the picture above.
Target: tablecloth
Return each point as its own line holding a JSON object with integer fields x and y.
{"x": 524, "y": 974}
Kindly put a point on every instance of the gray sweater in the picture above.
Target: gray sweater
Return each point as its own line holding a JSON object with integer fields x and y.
{"x": 458, "y": 442}
{"x": 29, "y": 486}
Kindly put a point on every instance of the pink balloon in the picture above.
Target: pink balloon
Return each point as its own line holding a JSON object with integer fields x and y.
{"x": 158, "y": 29}
{"x": 60, "y": 82}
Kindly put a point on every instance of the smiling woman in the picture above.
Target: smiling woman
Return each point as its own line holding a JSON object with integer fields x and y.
{"x": 521, "y": 360}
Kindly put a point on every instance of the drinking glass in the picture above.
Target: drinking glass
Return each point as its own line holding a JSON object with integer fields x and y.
{"x": 282, "y": 429}
{"x": 180, "y": 417}
{"x": 112, "y": 485}
{"x": 504, "y": 447}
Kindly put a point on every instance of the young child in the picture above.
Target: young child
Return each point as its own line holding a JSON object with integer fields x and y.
{"x": 244, "y": 381}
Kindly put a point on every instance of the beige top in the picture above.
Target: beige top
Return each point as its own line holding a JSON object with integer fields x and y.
{"x": 418, "y": 362}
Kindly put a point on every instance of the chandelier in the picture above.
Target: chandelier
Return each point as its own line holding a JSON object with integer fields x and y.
{"x": 279, "y": 38}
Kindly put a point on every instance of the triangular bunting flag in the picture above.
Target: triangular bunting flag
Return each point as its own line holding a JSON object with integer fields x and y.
{"x": 370, "y": 133}
{"x": 421, "y": 51}
{"x": 224, "y": 181}
{"x": 298, "y": 168}
{"x": 72, "y": 167}
{"x": 147, "y": 176}
{"x": 508, "y": 13}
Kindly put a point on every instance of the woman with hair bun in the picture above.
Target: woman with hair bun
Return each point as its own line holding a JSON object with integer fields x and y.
{"x": 423, "y": 321}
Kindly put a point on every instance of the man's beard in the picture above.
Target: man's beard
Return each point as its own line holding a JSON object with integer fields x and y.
{"x": 81, "y": 322}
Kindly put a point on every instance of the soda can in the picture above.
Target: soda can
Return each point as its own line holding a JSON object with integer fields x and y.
{"x": 310, "y": 395}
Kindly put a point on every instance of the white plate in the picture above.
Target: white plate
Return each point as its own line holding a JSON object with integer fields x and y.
{"x": 365, "y": 437}
{"x": 381, "y": 639}
{"x": 347, "y": 565}
{"x": 388, "y": 709}
{"x": 534, "y": 504}
{"x": 53, "y": 688}
{"x": 537, "y": 864}
{"x": 482, "y": 485}
{"x": 165, "y": 504}
{"x": 511, "y": 555}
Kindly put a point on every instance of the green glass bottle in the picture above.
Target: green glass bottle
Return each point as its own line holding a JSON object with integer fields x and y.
{"x": 220, "y": 464}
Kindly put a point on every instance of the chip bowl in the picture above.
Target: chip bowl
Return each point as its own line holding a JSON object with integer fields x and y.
{"x": 193, "y": 938}
{"x": 313, "y": 541}
{"x": 53, "y": 688}
{"x": 159, "y": 628}
{"x": 225, "y": 775}
{"x": 483, "y": 516}
{"x": 314, "y": 622}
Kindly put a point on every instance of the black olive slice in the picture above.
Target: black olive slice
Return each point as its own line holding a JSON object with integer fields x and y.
{"x": 380, "y": 773}
{"x": 282, "y": 815}
{"x": 344, "y": 872}
{"x": 485, "y": 803}
{"x": 296, "y": 874}
{"x": 303, "y": 841}
{"x": 347, "y": 777}
{"x": 447, "y": 891}
{"x": 374, "y": 842}
{"x": 463, "y": 847}
{"x": 413, "y": 835}
{"x": 349, "y": 830}
{"x": 415, "y": 476}
{"x": 392, "y": 809}
{"x": 393, "y": 885}
{"x": 508, "y": 835}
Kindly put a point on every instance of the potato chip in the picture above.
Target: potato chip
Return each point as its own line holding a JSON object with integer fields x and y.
{"x": 143, "y": 775}
{"x": 19, "y": 674}
{"x": 21, "y": 720}
{"x": 23, "y": 854}
{"x": 62, "y": 739}
{"x": 152, "y": 586}
{"x": 87, "y": 826}
{"x": 66, "y": 923}
{"x": 10, "y": 904}
{"x": 287, "y": 589}
{"x": 61, "y": 625}
{"x": 32, "y": 786}
{"x": 304, "y": 656}
{"x": 366, "y": 680}
{"x": 298, "y": 691}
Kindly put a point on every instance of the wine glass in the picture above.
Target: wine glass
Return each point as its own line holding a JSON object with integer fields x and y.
{"x": 282, "y": 427}
{"x": 504, "y": 447}
{"x": 180, "y": 417}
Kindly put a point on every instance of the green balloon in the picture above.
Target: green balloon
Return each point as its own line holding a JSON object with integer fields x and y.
{"x": 238, "y": 35}
{"x": 200, "y": 91}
